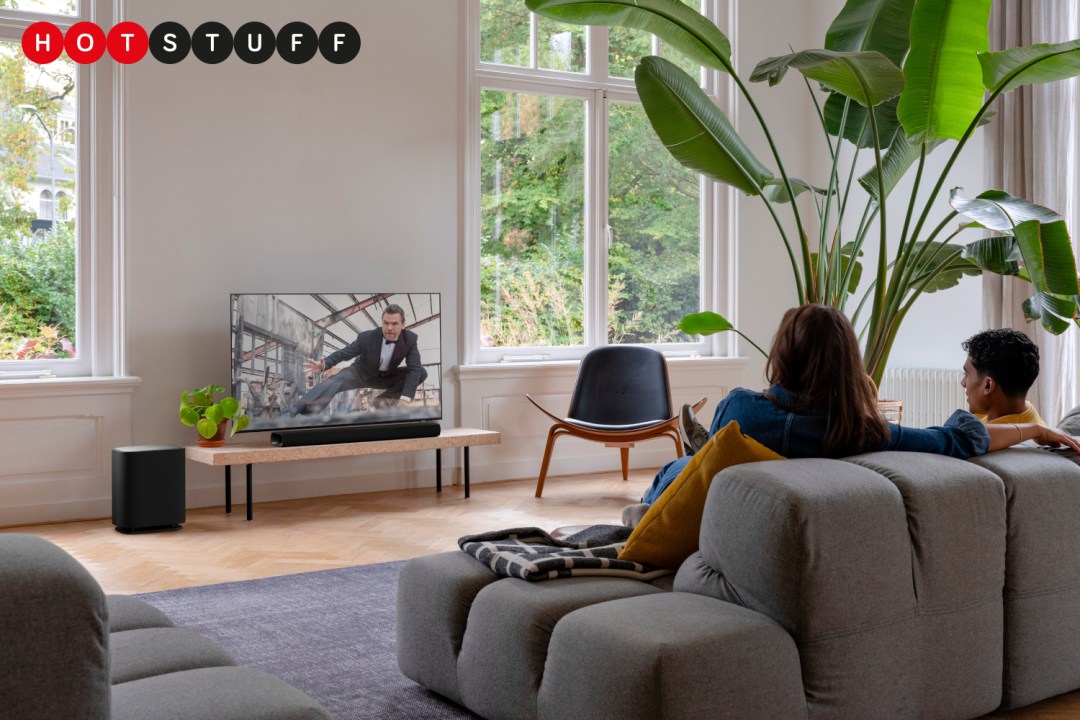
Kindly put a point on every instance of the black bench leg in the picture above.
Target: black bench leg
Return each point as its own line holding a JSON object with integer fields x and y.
{"x": 466, "y": 471}
{"x": 228, "y": 489}
{"x": 249, "y": 491}
{"x": 438, "y": 469}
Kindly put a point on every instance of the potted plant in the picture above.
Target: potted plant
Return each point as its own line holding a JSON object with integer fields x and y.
{"x": 896, "y": 80}
{"x": 199, "y": 410}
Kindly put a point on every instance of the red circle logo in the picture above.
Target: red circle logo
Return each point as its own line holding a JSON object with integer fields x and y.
{"x": 85, "y": 42}
{"x": 128, "y": 43}
{"x": 42, "y": 43}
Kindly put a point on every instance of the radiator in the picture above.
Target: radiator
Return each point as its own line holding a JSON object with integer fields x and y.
{"x": 929, "y": 396}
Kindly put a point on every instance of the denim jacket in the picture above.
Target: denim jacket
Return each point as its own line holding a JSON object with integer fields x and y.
{"x": 801, "y": 434}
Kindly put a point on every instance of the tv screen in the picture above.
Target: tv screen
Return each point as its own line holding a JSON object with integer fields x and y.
{"x": 320, "y": 359}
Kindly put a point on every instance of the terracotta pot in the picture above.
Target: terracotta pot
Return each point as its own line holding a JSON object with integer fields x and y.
{"x": 219, "y": 437}
{"x": 893, "y": 410}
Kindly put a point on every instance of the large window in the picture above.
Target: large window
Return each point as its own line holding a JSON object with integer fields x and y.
{"x": 583, "y": 231}
{"x": 47, "y": 222}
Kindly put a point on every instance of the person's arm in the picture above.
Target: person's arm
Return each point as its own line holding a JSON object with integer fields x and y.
{"x": 1007, "y": 435}
{"x": 346, "y": 353}
{"x": 414, "y": 370}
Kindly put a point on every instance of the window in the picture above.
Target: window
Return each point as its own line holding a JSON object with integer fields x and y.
{"x": 583, "y": 231}
{"x": 47, "y": 224}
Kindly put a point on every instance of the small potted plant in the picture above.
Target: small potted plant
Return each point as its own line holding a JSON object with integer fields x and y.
{"x": 199, "y": 410}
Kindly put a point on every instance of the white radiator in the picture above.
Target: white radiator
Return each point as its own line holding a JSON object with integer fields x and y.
{"x": 929, "y": 396}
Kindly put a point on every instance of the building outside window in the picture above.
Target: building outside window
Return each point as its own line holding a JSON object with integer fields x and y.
{"x": 583, "y": 231}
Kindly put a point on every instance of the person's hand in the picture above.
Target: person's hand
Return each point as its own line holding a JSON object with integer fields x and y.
{"x": 404, "y": 402}
{"x": 314, "y": 366}
{"x": 1054, "y": 438}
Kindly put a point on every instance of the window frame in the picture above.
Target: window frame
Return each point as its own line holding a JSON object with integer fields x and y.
{"x": 98, "y": 187}
{"x": 718, "y": 251}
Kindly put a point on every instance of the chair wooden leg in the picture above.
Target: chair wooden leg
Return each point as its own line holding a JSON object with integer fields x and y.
{"x": 679, "y": 451}
{"x": 625, "y": 453}
{"x": 552, "y": 434}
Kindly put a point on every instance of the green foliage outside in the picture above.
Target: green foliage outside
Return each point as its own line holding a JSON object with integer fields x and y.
{"x": 37, "y": 270}
{"x": 533, "y": 209}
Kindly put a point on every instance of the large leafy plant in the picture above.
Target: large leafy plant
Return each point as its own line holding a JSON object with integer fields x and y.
{"x": 896, "y": 79}
{"x": 199, "y": 409}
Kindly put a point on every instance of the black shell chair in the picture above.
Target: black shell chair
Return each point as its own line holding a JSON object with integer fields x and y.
{"x": 622, "y": 397}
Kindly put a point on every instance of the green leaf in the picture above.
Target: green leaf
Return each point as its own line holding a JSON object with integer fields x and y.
{"x": 189, "y": 417}
{"x": 944, "y": 263}
{"x": 675, "y": 23}
{"x": 229, "y": 407}
{"x": 704, "y": 323}
{"x": 867, "y": 77}
{"x": 880, "y": 25}
{"x": 693, "y": 129}
{"x": 857, "y": 125}
{"x": 1053, "y": 311}
{"x": 776, "y": 191}
{"x": 943, "y": 88}
{"x": 999, "y": 254}
{"x": 201, "y": 399}
{"x": 239, "y": 424}
{"x": 207, "y": 428}
{"x": 214, "y": 414}
{"x": 845, "y": 261}
{"x": 999, "y": 211}
{"x": 1048, "y": 256}
{"x": 1030, "y": 65}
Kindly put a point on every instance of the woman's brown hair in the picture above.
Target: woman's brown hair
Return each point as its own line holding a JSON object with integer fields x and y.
{"x": 815, "y": 355}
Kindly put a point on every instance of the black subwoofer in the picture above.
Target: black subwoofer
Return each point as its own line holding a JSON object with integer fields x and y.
{"x": 147, "y": 488}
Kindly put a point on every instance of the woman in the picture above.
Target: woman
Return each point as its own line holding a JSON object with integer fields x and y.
{"x": 820, "y": 403}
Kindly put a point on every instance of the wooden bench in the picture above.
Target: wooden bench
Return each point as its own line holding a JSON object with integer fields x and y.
{"x": 263, "y": 452}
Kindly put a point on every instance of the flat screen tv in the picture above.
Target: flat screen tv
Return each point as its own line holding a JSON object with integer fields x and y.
{"x": 325, "y": 359}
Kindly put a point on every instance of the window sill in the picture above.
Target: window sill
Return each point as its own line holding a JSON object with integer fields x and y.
{"x": 70, "y": 386}
{"x": 556, "y": 368}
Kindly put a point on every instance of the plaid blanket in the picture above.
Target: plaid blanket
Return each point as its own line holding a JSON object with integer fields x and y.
{"x": 531, "y": 554}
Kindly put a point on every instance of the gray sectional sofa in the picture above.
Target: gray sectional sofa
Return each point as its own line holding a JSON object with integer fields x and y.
{"x": 71, "y": 652}
{"x": 886, "y": 585}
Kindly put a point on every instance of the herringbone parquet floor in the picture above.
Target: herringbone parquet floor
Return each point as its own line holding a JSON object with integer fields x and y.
{"x": 339, "y": 531}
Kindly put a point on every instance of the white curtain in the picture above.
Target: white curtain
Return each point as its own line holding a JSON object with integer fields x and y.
{"x": 1033, "y": 152}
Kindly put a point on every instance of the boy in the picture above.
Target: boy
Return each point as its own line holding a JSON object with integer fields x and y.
{"x": 1000, "y": 369}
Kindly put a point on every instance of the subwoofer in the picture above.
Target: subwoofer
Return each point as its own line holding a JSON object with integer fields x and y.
{"x": 147, "y": 488}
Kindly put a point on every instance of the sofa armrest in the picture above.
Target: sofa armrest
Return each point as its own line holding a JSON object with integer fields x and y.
{"x": 54, "y": 634}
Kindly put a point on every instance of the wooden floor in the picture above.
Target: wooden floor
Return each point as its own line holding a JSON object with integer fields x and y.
{"x": 329, "y": 532}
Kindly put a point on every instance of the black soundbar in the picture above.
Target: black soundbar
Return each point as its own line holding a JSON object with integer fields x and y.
{"x": 353, "y": 433}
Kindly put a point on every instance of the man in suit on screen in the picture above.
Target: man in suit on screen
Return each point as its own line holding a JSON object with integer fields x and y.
{"x": 379, "y": 356}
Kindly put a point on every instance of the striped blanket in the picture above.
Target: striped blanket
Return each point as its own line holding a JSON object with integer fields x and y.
{"x": 532, "y": 554}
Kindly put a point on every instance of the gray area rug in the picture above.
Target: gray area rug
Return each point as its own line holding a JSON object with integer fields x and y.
{"x": 329, "y": 633}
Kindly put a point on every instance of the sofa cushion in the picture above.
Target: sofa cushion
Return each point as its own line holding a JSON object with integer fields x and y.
{"x": 668, "y": 533}
{"x": 1071, "y": 422}
{"x": 128, "y": 613}
{"x": 146, "y": 652}
{"x": 218, "y": 693}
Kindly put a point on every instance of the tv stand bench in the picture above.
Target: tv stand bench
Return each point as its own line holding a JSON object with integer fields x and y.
{"x": 250, "y": 454}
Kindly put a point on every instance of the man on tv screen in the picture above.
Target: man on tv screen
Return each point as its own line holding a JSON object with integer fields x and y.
{"x": 379, "y": 354}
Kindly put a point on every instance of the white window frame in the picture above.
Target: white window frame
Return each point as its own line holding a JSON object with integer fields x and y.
{"x": 98, "y": 188}
{"x": 718, "y": 259}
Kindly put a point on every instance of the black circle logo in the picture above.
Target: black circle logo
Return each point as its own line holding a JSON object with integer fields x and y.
{"x": 170, "y": 43}
{"x": 339, "y": 42}
{"x": 254, "y": 43}
{"x": 297, "y": 43}
{"x": 212, "y": 42}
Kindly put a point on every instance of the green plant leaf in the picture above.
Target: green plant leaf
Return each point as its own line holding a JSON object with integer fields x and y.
{"x": 675, "y": 23}
{"x": 943, "y": 262}
{"x": 214, "y": 414}
{"x": 207, "y": 428}
{"x": 704, "y": 323}
{"x": 857, "y": 126}
{"x": 845, "y": 261}
{"x": 200, "y": 398}
{"x": 999, "y": 254}
{"x": 880, "y": 25}
{"x": 999, "y": 211}
{"x": 693, "y": 129}
{"x": 867, "y": 77}
{"x": 189, "y": 417}
{"x": 1053, "y": 311}
{"x": 776, "y": 191}
{"x": 239, "y": 424}
{"x": 943, "y": 88}
{"x": 229, "y": 407}
{"x": 1030, "y": 65}
{"x": 1048, "y": 256}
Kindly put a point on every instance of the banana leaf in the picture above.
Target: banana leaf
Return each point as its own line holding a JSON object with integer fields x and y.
{"x": 944, "y": 263}
{"x": 1048, "y": 256}
{"x": 999, "y": 211}
{"x": 880, "y": 25}
{"x": 1053, "y": 311}
{"x": 943, "y": 88}
{"x": 775, "y": 190}
{"x": 704, "y": 323}
{"x": 845, "y": 261}
{"x": 673, "y": 22}
{"x": 1012, "y": 68}
{"x": 999, "y": 254}
{"x": 694, "y": 130}
{"x": 868, "y": 78}
{"x": 857, "y": 126}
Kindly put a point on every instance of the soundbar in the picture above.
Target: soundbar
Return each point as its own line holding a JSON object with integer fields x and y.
{"x": 353, "y": 433}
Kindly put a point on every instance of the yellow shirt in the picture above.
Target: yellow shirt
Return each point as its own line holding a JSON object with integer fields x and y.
{"x": 1030, "y": 415}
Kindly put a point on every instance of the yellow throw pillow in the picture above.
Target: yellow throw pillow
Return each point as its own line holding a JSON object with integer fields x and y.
{"x": 668, "y": 533}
